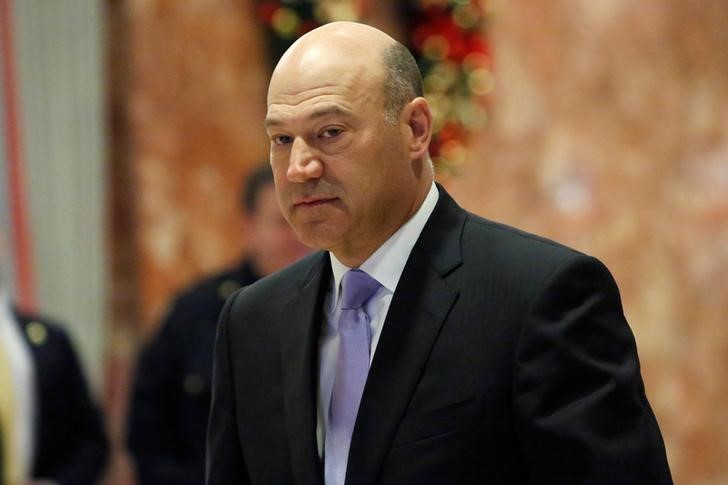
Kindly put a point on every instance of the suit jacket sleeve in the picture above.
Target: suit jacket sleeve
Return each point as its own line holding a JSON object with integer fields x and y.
{"x": 580, "y": 407}
{"x": 224, "y": 460}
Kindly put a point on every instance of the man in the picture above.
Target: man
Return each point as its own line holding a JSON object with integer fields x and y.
{"x": 171, "y": 397}
{"x": 51, "y": 431}
{"x": 489, "y": 355}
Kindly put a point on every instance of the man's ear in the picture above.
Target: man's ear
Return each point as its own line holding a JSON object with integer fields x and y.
{"x": 419, "y": 119}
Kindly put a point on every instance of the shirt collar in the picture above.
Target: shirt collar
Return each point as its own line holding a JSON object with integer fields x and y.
{"x": 387, "y": 263}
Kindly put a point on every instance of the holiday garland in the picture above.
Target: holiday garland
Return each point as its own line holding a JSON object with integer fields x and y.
{"x": 445, "y": 36}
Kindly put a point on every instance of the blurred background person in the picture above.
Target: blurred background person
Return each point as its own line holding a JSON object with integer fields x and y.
{"x": 171, "y": 396}
{"x": 50, "y": 429}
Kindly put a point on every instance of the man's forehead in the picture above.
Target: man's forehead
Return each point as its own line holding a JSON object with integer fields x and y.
{"x": 314, "y": 95}
{"x": 327, "y": 72}
{"x": 280, "y": 113}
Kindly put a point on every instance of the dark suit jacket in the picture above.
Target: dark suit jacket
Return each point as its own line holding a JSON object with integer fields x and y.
{"x": 504, "y": 358}
{"x": 70, "y": 442}
{"x": 171, "y": 397}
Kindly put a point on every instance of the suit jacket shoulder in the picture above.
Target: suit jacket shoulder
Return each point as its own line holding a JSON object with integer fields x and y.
{"x": 474, "y": 248}
{"x": 265, "y": 297}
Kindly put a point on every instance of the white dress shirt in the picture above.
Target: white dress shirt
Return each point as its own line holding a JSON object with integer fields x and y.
{"x": 16, "y": 350}
{"x": 385, "y": 266}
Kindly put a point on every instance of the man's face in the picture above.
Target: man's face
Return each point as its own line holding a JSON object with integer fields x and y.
{"x": 343, "y": 176}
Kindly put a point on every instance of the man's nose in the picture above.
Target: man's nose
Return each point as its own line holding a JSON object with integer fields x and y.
{"x": 304, "y": 162}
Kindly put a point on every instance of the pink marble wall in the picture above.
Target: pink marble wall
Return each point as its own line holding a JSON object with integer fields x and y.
{"x": 187, "y": 98}
{"x": 196, "y": 102}
{"x": 608, "y": 132}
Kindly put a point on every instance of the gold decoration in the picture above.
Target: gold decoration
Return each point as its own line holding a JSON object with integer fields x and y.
{"x": 227, "y": 288}
{"x": 37, "y": 333}
{"x": 193, "y": 384}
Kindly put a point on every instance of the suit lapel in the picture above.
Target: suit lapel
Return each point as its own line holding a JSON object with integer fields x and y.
{"x": 420, "y": 305}
{"x": 300, "y": 330}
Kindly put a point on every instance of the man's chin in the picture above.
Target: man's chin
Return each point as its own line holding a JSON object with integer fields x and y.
{"x": 318, "y": 235}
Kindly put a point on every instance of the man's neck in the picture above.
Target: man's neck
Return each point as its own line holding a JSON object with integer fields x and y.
{"x": 353, "y": 257}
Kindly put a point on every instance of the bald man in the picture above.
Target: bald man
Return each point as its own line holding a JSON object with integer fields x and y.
{"x": 421, "y": 344}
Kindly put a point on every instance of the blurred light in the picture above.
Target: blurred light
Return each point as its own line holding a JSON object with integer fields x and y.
{"x": 481, "y": 81}
{"x": 476, "y": 60}
{"x": 447, "y": 70}
{"x": 440, "y": 104}
{"x": 286, "y": 21}
{"x": 454, "y": 153}
{"x": 573, "y": 195}
{"x": 336, "y": 10}
{"x": 436, "y": 47}
{"x": 435, "y": 83}
{"x": 472, "y": 115}
{"x": 442, "y": 76}
{"x": 466, "y": 16}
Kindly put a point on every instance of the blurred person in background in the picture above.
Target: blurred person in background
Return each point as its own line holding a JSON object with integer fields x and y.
{"x": 171, "y": 396}
{"x": 51, "y": 431}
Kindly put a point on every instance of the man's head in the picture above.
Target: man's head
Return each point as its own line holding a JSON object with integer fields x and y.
{"x": 272, "y": 242}
{"x": 402, "y": 80}
{"x": 349, "y": 133}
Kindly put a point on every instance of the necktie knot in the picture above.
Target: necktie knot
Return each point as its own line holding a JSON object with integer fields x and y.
{"x": 357, "y": 288}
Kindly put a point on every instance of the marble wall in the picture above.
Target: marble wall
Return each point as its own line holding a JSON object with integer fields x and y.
{"x": 608, "y": 132}
{"x": 187, "y": 99}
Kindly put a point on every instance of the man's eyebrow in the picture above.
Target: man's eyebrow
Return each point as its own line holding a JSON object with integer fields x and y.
{"x": 329, "y": 109}
{"x": 318, "y": 112}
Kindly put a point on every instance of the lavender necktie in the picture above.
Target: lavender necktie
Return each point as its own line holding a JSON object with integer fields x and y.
{"x": 352, "y": 367}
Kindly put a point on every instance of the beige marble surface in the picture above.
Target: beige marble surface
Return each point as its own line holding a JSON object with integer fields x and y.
{"x": 609, "y": 132}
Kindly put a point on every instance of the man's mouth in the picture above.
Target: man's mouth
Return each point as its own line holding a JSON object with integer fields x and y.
{"x": 313, "y": 201}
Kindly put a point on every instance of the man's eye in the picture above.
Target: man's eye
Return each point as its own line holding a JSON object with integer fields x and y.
{"x": 281, "y": 139}
{"x": 331, "y": 132}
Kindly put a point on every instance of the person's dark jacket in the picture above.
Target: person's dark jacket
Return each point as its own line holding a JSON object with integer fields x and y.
{"x": 171, "y": 397}
{"x": 71, "y": 446}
